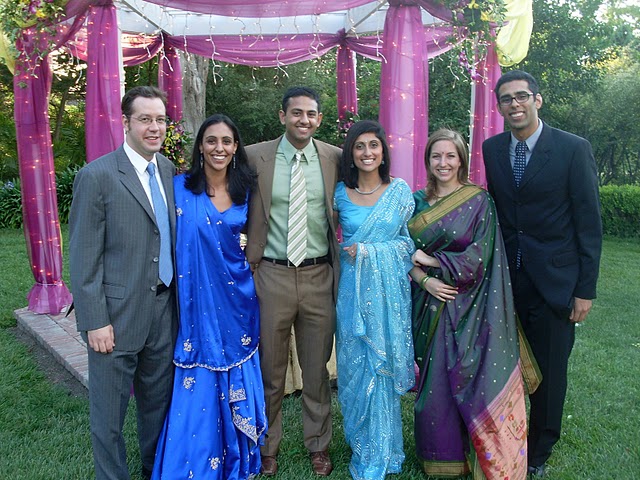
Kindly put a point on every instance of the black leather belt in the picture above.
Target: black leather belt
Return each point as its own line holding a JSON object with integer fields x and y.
{"x": 305, "y": 263}
{"x": 161, "y": 288}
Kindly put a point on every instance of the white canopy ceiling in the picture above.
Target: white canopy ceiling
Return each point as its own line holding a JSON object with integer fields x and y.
{"x": 138, "y": 16}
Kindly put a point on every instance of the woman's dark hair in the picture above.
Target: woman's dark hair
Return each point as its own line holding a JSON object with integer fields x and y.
{"x": 348, "y": 172}
{"x": 240, "y": 178}
{"x": 463, "y": 154}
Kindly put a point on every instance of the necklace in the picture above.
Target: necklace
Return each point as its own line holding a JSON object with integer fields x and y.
{"x": 370, "y": 191}
{"x": 447, "y": 194}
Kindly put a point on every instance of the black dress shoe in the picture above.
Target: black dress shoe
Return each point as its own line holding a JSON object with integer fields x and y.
{"x": 536, "y": 472}
{"x": 146, "y": 473}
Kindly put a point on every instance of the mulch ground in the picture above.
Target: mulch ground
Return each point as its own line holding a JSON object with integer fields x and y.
{"x": 47, "y": 363}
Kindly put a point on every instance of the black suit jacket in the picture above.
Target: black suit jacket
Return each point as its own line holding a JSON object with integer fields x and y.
{"x": 553, "y": 216}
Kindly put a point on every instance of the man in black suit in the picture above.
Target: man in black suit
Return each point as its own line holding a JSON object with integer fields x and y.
{"x": 544, "y": 183}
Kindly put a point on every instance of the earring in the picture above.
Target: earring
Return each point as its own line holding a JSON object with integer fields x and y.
{"x": 352, "y": 165}
{"x": 234, "y": 161}
{"x": 201, "y": 160}
{"x": 382, "y": 162}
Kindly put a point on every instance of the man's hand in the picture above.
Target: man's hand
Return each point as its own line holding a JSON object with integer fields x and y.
{"x": 581, "y": 308}
{"x": 101, "y": 340}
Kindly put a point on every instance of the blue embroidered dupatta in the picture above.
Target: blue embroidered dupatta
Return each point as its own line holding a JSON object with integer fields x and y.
{"x": 373, "y": 340}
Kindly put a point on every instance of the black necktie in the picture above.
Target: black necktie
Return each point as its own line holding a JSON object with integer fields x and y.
{"x": 520, "y": 162}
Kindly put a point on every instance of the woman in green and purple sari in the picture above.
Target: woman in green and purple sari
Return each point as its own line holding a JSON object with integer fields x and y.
{"x": 470, "y": 412}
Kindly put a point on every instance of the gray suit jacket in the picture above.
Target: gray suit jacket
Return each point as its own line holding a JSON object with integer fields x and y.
{"x": 262, "y": 158}
{"x": 115, "y": 246}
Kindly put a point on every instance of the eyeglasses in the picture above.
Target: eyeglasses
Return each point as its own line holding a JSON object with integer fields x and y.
{"x": 520, "y": 97}
{"x": 148, "y": 120}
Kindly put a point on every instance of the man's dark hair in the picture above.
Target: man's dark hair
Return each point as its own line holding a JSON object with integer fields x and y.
{"x": 348, "y": 171}
{"x": 514, "y": 75}
{"x": 299, "y": 92}
{"x": 142, "y": 91}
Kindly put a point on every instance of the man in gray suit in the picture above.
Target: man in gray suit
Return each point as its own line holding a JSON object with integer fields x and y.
{"x": 122, "y": 229}
{"x": 295, "y": 289}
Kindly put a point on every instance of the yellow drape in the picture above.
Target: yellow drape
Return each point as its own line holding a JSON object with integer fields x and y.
{"x": 512, "y": 41}
{"x": 5, "y": 54}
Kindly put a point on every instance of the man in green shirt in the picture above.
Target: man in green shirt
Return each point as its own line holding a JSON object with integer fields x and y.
{"x": 293, "y": 251}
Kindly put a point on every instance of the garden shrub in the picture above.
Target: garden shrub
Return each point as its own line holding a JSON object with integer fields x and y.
{"x": 64, "y": 187}
{"x": 11, "y": 200}
{"x": 10, "y": 204}
{"x": 620, "y": 206}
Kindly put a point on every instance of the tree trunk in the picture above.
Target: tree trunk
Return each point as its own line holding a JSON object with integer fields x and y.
{"x": 60, "y": 115}
{"x": 194, "y": 70}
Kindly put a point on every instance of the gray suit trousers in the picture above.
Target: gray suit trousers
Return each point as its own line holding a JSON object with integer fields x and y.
{"x": 150, "y": 371}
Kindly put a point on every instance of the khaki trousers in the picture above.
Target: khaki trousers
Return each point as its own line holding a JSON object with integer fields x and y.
{"x": 302, "y": 297}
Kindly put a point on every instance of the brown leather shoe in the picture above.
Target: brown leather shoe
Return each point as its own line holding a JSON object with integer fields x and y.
{"x": 321, "y": 463}
{"x": 269, "y": 466}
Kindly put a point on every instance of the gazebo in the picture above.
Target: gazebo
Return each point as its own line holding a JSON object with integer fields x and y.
{"x": 107, "y": 34}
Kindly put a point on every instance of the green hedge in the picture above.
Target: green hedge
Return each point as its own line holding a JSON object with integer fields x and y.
{"x": 620, "y": 210}
{"x": 11, "y": 201}
{"x": 10, "y": 204}
{"x": 620, "y": 205}
{"x": 64, "y": 188}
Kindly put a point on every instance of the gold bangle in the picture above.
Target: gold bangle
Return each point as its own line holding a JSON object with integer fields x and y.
{"x": 423, "y": 282}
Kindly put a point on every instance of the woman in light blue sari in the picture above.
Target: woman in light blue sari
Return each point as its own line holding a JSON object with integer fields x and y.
{"x": 216, "y": 421}
{"x": 373, "y": 339}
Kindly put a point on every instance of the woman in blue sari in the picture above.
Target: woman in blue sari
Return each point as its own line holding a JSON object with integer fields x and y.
{"x": 373, "y": 339}
{"x": 217, "y": 419}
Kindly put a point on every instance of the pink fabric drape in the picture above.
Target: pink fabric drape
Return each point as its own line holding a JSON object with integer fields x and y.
{"x": 486, "y": 118}
{"x": 257, "y": 50}
{"x": 136, "y": 49}
{"x": 31, "y": 87}
{"x": 404, "y": 94}
{"x": 404, "y": 91}
{"x": 39, "y": 202}
{"x": 170, "y": 81}
{"x": 103, "y": 116}
{"x": 347, "y": 95}
{"x": 436, "y": 8}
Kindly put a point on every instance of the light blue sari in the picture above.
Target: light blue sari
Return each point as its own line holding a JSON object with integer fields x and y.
{"x": 373, "y": 339}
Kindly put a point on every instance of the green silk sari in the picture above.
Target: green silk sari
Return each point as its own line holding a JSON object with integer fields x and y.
{"x": 470, "y": 411}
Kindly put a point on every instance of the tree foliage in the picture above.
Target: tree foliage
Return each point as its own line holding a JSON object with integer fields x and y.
{"x": 585, "y": 54}
{"x": 252, "y": 97}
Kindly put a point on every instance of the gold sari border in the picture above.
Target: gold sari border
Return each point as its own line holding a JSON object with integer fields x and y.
{"x": 444, "y": 469}
{"x": 443, "y": 207}
{"x": 531, "y": 374}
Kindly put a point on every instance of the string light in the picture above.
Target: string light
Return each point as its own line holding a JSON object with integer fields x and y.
{"x": 405, "y": 93}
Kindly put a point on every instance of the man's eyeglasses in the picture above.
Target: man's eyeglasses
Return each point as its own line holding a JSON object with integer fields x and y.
{"x": 521, "y": 97}
{"x": 148, "y": 120}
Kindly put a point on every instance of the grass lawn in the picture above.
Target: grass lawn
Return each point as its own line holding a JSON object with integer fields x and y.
{"x": 44, "y": 431}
